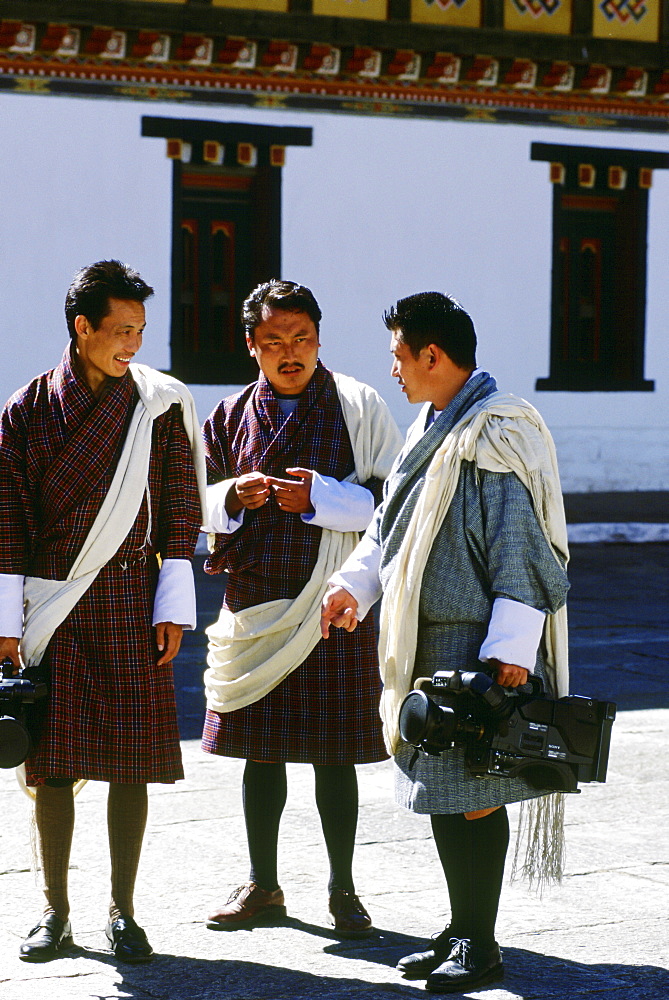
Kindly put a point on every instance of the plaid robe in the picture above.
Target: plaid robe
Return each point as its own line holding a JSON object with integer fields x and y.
{"x": 325, "y": 711}
{"x": 112, "y": 715}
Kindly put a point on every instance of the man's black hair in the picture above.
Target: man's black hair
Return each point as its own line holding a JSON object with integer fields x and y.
{"x": 93, "y": 286}
{"x": 434, "y": 318}
{"x": 276, "y": 294}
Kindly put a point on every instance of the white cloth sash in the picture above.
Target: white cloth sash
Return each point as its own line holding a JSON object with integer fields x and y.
{"x": 47, "y": 603}
{"x": 252, "y": 651}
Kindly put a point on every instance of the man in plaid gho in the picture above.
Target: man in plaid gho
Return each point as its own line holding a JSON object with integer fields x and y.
{"x": 97, "y": 479}
{"x": 469, "y": 548}
{"x": 283, "y": 455}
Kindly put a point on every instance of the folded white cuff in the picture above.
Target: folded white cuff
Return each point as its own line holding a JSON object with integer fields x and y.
{"x": 175, "y": 594}
{"x": 514, "y": 634}
{"x": 11, "y": 605}
{"x": 339, "y": 506}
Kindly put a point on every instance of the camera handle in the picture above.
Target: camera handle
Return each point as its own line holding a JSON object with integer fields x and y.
{"x": 532, "y": 689}
{"x": 535, "y": 684}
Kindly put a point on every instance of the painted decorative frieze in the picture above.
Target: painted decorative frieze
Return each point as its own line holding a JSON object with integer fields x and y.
{"x": 552, "y": 17}
{"x": 464, "y": 13}
{"x": 637, "y": 20}
{"x": 374, "y": 10}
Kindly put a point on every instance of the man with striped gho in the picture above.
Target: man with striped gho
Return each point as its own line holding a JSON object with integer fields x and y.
{"x": 469, "y": 548}
{"x": 293, "y": 460}
{"x": 101, "y": 462}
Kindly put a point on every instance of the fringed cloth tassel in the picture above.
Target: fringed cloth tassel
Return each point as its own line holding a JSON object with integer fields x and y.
{"x": 540, "y": 845}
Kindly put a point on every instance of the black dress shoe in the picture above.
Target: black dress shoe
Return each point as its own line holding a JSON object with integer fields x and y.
{"x": 347, "y": 915}
{"x": 127, "y": 940}
{"x": 47, "y": 939}
{"x": 420, "y": 964}
{"x": 466, "y": 966}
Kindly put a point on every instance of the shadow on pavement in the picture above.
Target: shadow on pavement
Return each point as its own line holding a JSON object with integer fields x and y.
{"x": 528, "y": 976}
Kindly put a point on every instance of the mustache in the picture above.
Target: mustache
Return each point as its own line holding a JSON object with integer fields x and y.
{"x": 290, "y": 364}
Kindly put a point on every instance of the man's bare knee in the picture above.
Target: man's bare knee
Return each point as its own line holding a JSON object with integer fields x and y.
{"x": 481, "y": 813}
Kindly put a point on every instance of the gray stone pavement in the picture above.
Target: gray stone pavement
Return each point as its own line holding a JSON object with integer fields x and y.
{"x": 604, "y": 933}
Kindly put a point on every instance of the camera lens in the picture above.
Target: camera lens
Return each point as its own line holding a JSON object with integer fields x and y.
{"x": 14, "y": 742}
{"x": 423, "y": 722}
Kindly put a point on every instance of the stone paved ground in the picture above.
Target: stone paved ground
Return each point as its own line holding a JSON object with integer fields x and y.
{"x": 603, "y": 934}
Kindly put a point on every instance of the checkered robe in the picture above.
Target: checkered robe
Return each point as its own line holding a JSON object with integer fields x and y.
{"x": 326, "y": 710}
{"x": 489, "y": 545}
{"x": 112, "y": 714}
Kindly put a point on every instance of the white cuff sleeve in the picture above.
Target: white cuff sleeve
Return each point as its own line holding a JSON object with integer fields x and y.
{"x": 175, "y": 594}
{"x": 514, "y": 634}
{"x": 218, "y": 519}
{"x": 11, "y": 605}
{"x": 360, "y": 575}
{"x": 339, "y": 506}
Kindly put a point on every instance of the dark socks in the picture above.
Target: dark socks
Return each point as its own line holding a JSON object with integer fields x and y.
{"x": 264, "y": 796}
{"x": 337, "y": 802}
{"x": 472, "y": 854}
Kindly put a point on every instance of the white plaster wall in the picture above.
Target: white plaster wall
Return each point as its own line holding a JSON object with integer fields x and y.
{"x": 376, "y": 209}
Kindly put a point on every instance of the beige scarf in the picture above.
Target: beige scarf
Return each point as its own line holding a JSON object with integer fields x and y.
{"x": 501, "y": 433}
{"x": 254, "y": 650}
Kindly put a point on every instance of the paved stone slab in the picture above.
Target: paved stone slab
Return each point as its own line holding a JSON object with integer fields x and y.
{"x": 604, "y": 932}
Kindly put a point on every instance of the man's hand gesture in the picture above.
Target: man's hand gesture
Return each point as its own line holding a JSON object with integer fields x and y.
{"x": 339, "y": 609}
{"x": 250, "y": 491}
{"x": 293, "y": 495}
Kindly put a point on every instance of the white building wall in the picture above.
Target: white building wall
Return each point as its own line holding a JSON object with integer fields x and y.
{"x": 376, "y": 209}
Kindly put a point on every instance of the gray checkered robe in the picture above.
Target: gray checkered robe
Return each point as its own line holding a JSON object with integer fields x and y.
{"x": 489, "y": 545}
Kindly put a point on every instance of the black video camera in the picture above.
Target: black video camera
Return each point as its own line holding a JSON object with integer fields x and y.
{"x": 16, "y": 693}
{"x": 508, "y": 732}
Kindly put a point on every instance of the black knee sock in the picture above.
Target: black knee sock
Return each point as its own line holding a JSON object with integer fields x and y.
{"x": 337, "y": 802}
{"x": 264, "y": 796}
{"x": 472, "y": 854}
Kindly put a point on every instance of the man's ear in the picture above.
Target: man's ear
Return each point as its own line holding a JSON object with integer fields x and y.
{"x": 81, "y": 326}
{"x": 432, "y": 355}
{"x": 251, "y": 346}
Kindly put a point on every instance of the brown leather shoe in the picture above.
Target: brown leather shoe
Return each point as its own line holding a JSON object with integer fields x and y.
{"x": 348, "y": 916}
{"x": 248, "y": 905}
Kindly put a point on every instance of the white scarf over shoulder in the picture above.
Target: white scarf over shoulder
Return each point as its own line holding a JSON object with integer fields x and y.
{"x": 500, "y": 433}
{"x": 252, "y": 651}
{"x": 47, "y": 603}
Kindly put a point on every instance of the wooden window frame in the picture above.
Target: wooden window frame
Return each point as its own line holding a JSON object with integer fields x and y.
{"x": 600, "y": 211}
{"x": 226, "y": 178}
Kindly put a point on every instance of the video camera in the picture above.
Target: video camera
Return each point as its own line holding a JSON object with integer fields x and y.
{"x": 508, "y": 732}
{"x": 15, "y": 694}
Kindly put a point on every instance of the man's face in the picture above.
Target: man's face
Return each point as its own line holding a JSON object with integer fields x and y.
{"x": 409, "y": 371}
{"x": 285, "y": 345}
{"x": 107, "y": 351}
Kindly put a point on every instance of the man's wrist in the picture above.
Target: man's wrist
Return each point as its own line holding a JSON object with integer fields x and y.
{"x": 233, "y": 504}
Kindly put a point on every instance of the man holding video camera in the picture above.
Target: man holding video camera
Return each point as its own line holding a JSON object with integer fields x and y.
{"x": 469, "y": 550}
